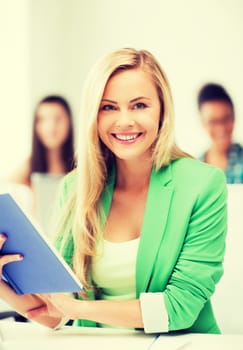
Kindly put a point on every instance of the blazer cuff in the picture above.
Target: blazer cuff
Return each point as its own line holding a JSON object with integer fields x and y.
{"x": 154, "y": 313}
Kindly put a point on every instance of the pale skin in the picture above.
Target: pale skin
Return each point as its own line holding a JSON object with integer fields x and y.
{"x": 21, "y": 303}
{"x": 218, "y": 120}
{"x": 128, "y": 124}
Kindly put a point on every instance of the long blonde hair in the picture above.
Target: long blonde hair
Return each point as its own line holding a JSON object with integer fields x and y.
{"x": 82, "y": 213}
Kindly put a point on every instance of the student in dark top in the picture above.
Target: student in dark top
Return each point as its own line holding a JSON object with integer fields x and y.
{"x": 52, "y": 149}
{"x": 218, "y": 118}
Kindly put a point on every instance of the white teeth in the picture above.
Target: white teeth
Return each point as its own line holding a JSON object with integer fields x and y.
{"x": 126, "y": 137}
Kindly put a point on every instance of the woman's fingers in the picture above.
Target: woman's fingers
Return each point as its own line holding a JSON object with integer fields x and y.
{"x": 6, "y": 259}
{"x": 44, "y": 310}
{"x": 2, "y": 240}
{"x": 40, "y": 311}
{"x": 57, "y": 305}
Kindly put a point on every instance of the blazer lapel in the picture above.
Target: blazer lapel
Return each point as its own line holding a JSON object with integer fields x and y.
{"x": 154, "y": 223}
{"x": 106, "y": 196}
{"x": 155, "y": 218}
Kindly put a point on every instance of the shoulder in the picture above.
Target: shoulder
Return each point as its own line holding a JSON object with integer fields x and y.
{"x": 68, "y": 185}
{"x": 70, "y": 178}
{"x": 236, "y": 150}
{"x": 190, "y": 166}
{"x": 194, "y": 174}
{"x": 202, "y": 157}
{"x": 22, "y": 173}
{"x": 197, "y": 186}
{"x": 237, "y": 146}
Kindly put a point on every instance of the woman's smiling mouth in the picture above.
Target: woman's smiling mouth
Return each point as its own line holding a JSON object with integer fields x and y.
{"x": 127, "y": 137}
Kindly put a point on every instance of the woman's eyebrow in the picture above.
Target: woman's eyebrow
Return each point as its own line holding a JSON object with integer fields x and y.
{"x": 131, "y": 101}
{"x": 140, "y": 98}
{"x": 107, "y": 100}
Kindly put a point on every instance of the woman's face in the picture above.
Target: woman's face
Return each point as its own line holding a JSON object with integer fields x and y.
{"x": 218, "y": 119}
{"x": 129, "y": 115}
{"x": 52, "y": 125}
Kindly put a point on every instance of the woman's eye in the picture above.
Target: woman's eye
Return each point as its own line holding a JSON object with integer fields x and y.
{"x": 108, "y": 108}
{"x": 140, "y": 105}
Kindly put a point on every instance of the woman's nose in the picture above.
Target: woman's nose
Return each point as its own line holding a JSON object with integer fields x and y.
{"x": 125, "y": 119}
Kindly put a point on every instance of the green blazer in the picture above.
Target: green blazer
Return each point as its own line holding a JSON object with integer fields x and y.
{"x": 182, "y": 242}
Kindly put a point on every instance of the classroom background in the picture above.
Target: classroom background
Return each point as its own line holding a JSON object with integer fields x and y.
{"x": 48, "y": 46}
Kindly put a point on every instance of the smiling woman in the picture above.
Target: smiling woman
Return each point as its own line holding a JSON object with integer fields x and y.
{"x": 129, "y": 115}
{"x": 141, "y": 223}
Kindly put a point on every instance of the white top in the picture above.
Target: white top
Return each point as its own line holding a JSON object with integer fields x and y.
{"x": 45, "y": 187}
{"x": 114, "y": 269}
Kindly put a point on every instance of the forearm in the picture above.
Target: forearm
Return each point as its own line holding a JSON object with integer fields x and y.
{"x": 148, "y": 312}
{"x": 23, "y": 303}
{"x": 117, "y": 313}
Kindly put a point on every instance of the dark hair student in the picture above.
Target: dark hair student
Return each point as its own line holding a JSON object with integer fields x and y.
{"x": 217, "y": 113}
{"x": 52, "y": 150}
{"x": 39, "y": 161}
{"x": 213, "y": 92}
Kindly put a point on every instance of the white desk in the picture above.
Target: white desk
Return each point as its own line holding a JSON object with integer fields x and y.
{"x": 26, "y": 336}
{"x": 21, "y": 336}
{"x": 199, "y": 342}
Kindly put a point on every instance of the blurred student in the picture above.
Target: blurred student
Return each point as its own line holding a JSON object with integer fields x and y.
{"x": 52, "y": 155}
{"x": 52, "y": 141}
{"x": 218, "y": 118}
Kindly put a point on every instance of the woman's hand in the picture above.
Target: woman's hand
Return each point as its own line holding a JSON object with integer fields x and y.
{"x": 6, "y": 259}
{"x": 56, "y": 305}
{"x": 124, "y": 313}
{"x": 22, "y": 303}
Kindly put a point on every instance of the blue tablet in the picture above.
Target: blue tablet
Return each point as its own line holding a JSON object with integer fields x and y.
{"x": 43, "y": 270}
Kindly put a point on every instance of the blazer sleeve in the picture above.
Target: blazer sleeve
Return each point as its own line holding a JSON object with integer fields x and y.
{"x": 199, "y": 266}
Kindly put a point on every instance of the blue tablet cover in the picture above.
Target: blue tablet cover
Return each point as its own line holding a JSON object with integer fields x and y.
{"x": 42, "y": 270}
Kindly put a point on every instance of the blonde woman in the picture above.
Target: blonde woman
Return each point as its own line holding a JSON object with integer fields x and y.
{"x": 143, "y": 224}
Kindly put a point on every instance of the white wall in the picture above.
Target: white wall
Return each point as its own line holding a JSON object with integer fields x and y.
{"x": 50, "y": 47}
{"x": 195, "y": 41}
{"x": 14, "y": 83}
{"x": 228, "y": 298}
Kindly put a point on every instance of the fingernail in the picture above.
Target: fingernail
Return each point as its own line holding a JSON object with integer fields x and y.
{"x": 19, "y": 257}
{"x": 2, "y": 237}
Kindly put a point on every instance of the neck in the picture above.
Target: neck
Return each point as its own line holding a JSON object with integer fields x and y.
{"x": 132, "y": 175}
{"x": 54, "y": 162}
{"x": 219, "y": 151}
